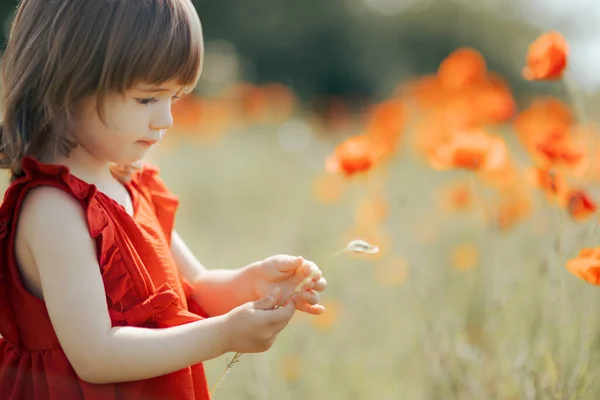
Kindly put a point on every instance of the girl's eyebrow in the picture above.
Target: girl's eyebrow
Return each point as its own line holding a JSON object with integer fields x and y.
{"x": 154, "y": 90}
{"x": 161, "y": 90}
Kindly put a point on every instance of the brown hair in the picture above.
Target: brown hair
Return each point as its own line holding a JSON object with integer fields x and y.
{"x": 61, "y": 51}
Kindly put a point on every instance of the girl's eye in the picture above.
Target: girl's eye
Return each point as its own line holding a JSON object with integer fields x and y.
{"x": 147, "y": 101}
{"x": 153, "y": 100}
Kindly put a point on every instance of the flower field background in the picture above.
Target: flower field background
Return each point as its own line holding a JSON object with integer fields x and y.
{"x": 483, "y": 206}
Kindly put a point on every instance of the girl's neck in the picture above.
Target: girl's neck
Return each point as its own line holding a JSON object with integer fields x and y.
{"x": 87, "y": 167}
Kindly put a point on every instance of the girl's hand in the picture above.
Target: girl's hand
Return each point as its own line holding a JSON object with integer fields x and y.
{"x": 298, "y": 278}
{"x": 253, "y": 327}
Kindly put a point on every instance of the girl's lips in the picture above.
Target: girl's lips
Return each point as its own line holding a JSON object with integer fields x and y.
{"x": 148, "y": 142}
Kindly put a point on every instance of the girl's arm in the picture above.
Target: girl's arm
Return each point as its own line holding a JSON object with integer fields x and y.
{"x": 56, "y": 237}
{"x": 217, "y": 291}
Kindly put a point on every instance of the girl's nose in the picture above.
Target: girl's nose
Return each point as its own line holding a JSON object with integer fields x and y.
{"x": 163, "y": 119}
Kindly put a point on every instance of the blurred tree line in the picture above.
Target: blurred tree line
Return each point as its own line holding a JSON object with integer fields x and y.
{"x": 345, "y": 48}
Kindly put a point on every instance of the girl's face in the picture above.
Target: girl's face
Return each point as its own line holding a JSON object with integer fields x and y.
{"x": 135, "y": 121}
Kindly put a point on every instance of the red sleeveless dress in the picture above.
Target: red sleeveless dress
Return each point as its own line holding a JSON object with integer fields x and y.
{"x": 142, "y": 283}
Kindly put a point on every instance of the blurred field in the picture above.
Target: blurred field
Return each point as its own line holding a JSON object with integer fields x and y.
{"x": 452, "y": 308}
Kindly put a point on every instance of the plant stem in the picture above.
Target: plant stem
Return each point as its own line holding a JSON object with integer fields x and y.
{"x": 234, "y": 360}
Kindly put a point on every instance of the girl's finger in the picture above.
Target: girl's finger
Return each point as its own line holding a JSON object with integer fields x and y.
{"x": 311, "y": 297}
{"x": 320, "y": 285}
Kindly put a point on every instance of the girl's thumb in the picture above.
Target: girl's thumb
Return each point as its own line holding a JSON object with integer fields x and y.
{"x": 269, "y": 302}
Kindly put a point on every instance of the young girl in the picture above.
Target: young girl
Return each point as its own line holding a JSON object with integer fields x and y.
{"x": 100, "y": 298}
